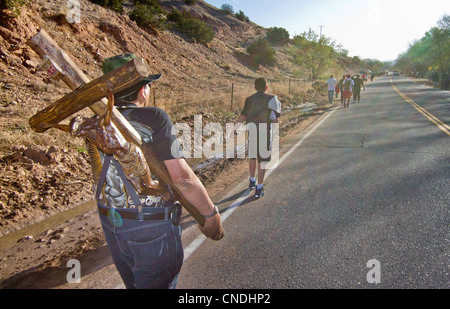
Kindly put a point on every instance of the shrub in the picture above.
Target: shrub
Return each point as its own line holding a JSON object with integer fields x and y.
{"x": 13, "y": 5}
{"x": 148, "y": 15}
{"x": 152, "y": 3}
{"x": 115, "y": 5}
{"x": 227, "y": 9}
{"x": 277, "y": 36}
{"x": 261, "y": 53}
{"x": 196, "y": 29}
{"x": 190, "y": 2}
{"x": 241, "y": 16}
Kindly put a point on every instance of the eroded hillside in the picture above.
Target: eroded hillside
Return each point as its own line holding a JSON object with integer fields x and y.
{"x": 42, "y": 174}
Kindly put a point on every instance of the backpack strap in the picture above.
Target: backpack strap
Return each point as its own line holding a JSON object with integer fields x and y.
{"x": 131, "y": 191}
{"x": 102, "y": 179}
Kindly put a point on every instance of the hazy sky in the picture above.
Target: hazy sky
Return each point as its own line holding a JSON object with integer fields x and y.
{"x": 377, "y": 29}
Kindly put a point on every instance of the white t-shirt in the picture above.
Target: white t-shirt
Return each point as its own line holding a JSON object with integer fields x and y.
{"x": 331, "y": 83}
{"x": 275, "y": 106}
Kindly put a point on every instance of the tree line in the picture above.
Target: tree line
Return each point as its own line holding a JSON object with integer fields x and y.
{"x": 316, "y": 54}
{"x": 430, "y": 56}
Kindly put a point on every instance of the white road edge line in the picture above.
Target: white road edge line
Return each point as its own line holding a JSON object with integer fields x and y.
{"x": 194, "y": 245}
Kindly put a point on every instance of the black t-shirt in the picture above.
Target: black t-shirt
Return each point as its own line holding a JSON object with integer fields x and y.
{"x": 155, "y": 128}
{"x": 164, "y": 142}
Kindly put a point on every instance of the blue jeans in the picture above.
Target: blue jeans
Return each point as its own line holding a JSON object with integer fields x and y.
{"x": 330, "y": 96}
{"x": 147, "y": 254}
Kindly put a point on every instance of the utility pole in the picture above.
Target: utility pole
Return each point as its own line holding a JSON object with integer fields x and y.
{"x": 321, "y": 31}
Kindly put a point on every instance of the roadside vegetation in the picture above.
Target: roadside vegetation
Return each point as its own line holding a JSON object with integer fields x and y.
{"x": 318, "y": 56}
{"x": 430, "y": 56}
{"x": 13, "y": 5}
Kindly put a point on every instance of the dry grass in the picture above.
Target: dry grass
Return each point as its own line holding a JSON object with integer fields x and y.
{"x": 227, "y": 101}
{"x": 218, "y": 104}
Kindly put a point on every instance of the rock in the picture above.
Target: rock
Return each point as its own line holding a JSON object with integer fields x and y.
{"x": 33, "y": 64}
{"x": 25, "y": 238}
{"x": 38, "y": 156}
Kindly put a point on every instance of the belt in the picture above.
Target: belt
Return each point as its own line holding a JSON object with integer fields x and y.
{"x": 145, "y": 213}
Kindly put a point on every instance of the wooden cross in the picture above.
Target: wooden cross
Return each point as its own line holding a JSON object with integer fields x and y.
{"x": 93, "y": 94}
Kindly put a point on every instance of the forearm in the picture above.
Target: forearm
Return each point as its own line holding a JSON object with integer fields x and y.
{"x": 195, "y": 193}
{"x": 241, "y": 120}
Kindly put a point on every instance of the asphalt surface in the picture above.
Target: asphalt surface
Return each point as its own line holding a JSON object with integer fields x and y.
{"x": 370, "y": 182}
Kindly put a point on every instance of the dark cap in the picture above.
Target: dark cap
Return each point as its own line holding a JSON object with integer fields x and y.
{"x": 116, "y": 62}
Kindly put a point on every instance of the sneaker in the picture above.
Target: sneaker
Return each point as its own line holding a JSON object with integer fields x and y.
{"x": 252, "y": 184}
{"x": 259, "y": 192}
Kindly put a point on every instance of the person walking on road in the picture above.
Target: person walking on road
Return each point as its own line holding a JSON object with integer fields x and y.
{"x": 347, "y": 90}
{"x": 260, "y": 111}
{"x": 331, "y": 82}
{"x": 358, "y": 83}
{"x": 341, "y": 87}
{"x": 142, "y": 229}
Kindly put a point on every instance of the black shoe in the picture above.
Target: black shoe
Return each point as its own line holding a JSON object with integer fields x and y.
{"x": 252, "y": 184}
{"x": 259, "y": 192}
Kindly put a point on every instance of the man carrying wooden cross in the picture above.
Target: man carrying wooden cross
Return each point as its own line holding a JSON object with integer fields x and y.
{"x": 142, "y": 229}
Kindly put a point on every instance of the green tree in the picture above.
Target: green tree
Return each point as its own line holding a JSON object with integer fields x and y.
{"x": 227, "y": 9}
{"x": 277, "y": 36}
{"x": 196, "y": 29}
{"x": 147, "y": 15}
{"x": 316, "y": 54}
{"x": 241, "y": 16}
{"x": 115, "y": 5}
{"x": 432, "y": 50}
{"x": 261, "y": 53}
{"x": 373, "y": 64}
{"x": 440, "y": 48}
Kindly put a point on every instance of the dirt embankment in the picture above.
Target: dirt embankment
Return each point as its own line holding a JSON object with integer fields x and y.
{"x": 43, "y": 174}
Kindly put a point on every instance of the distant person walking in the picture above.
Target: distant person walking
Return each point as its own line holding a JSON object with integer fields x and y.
{"x": 341, "y": 87}
{"x": 260, "y": 110}
{"x": 337, "y": 90}
{"x": 347, "y": 90}
{"x": 357, "y": 88}
{"x": 332, "y": 82}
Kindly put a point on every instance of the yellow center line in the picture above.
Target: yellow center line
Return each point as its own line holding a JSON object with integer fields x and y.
{"x": 445, "y": 128}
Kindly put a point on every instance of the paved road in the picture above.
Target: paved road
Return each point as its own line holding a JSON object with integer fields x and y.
{"x": 370, "y": 182}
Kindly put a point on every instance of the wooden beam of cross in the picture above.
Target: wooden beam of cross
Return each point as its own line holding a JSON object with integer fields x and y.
{"x": 93, "y": 94}
{"x": 87, "y": 94}
{"x": 73, "y": 77}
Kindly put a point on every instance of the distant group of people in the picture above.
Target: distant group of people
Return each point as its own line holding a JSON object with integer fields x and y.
{"x": 348, "y": 86}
